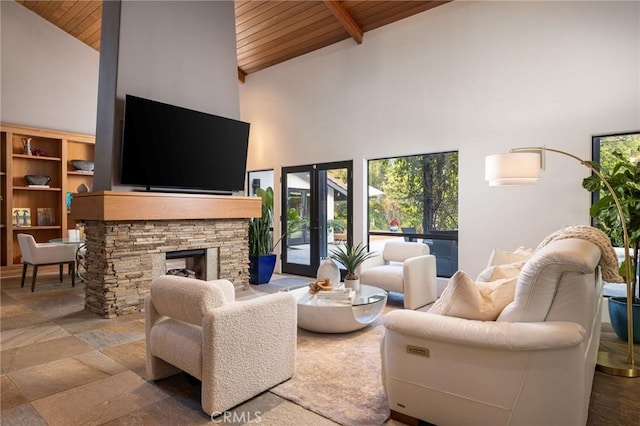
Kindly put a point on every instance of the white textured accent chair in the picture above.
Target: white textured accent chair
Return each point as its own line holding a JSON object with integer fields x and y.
{"x": 41, "y": 254}
{"x": 534, "y": 365}
{"x": 237, "y": 349}
{"x": 404, "y": 267}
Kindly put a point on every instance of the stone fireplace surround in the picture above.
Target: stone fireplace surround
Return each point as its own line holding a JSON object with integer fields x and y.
{"x": 128, "y": 235}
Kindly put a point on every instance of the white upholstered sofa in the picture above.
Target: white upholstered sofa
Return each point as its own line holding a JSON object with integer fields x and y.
{"x": 404, "y": 267}
{"x": 534, "y": 365}
{"x": 237, "y": 349}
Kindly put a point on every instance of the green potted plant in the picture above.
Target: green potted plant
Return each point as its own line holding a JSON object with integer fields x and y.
{"x": 624, "y": 178}
{"x": 262, "y": 260}
{"x": 351, "y": 257}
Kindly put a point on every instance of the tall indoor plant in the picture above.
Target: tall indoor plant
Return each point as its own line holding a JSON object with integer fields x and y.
{"x": 262, "y": 259}
{"x": 624, "y": 178}
{"x": 351, "y": 257}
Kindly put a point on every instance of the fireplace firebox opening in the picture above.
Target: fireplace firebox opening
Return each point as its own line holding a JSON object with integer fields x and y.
{"x": 187, "y": 263}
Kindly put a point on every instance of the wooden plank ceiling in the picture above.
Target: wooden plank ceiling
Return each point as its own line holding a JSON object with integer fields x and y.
{"x": 267, "y": 32}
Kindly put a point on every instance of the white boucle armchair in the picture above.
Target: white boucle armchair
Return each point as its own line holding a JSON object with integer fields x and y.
{"x": 237, "y": 349}
{"x": 534, "y": 365}
{"x": 404, "y": 267}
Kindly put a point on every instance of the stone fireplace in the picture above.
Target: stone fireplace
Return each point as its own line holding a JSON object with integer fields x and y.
{"x": 125, "y": 253}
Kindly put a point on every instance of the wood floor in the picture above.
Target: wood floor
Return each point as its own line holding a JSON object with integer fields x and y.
{"x": 615, "y": 400}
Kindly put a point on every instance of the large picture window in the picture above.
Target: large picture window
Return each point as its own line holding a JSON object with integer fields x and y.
{"x": 619, "y": 158}
{"x": 415, "y": 198}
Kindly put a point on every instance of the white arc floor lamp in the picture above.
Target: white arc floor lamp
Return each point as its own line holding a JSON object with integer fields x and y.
{"x": 521, "y": 166}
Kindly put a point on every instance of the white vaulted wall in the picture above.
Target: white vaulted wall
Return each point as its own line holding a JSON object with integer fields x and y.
{"x": 48, "y": 78}
{"x": 477, "y": 77}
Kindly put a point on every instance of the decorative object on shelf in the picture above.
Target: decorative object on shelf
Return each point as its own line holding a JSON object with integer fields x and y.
{"x": 39, "y": 180}
{"x": 83, "y": 188}
{"x": 83, "y": 165}
{"x": 351, "y": 257}
{"x": 26, "y": 145}
{"x": 46, "y": 216}
{"x": 68, "y": 199}
{"x": 394, "y": 225}
{"x": 39, "y": 152}
{"x": 521, "y": 166}
{"x": 21, "y": 216}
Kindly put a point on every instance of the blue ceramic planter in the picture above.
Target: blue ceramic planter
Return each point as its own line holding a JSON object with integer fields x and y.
{"x": 618, "y": 316}
{"x": 261, "y": 268}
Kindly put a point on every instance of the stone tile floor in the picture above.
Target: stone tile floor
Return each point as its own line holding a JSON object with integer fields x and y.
{"x": 61, "y": 365}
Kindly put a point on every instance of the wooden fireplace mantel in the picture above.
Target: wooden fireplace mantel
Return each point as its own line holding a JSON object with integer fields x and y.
{"x": 125, "y": 206}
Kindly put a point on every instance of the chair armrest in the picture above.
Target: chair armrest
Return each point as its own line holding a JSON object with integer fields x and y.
{"x": 420, "y": 281}
{"x": 375, "y": 260}
{"x": 514, "y": 336}
{"x": 252, "y": 321}
{"x": 248, "y": 347}
{"x": 156, "y": 368}
{"x": 419, "y": 267}
{"x": 263, "y": 330}
{"x": 228, "y": 290}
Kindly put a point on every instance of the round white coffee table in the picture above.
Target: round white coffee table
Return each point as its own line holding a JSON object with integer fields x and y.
{"x": 331, "y": 317}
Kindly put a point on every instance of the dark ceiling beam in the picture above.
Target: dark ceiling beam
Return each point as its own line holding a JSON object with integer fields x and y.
{"x": 345, "y": 20}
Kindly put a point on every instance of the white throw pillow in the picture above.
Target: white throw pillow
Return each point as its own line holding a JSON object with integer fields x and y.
{"x": 464, "y": 298}
{"x": 497, "y": 272}
{"x": 501, "y": 257}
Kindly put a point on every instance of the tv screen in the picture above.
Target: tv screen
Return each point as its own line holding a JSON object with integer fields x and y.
{"x": 166, "y": 147}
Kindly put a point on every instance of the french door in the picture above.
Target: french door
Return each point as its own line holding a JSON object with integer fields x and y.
{"x": 317, "y": 207}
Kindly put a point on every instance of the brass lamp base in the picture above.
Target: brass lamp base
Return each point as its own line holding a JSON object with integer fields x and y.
{"x": 616, "y": 364}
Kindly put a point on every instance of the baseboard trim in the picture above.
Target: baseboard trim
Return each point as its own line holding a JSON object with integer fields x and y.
{"x": 404, "y": 418}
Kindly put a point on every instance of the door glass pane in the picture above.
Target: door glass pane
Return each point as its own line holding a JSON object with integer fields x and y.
{"x": 333, "y": 193}
{"x": 298, "y": 217}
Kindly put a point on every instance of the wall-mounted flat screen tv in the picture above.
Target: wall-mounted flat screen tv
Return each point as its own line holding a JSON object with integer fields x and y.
{"x": 167, "y": 147}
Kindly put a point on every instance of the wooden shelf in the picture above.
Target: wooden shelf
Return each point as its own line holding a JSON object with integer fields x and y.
{"x": 35, "y": 228}
{"x": 27, "y": 188}
{"x": 60, "y": 148}
{"x": 36, "y": 157}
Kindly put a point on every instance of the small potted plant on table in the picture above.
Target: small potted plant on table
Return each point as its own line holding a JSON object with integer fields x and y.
{"x": 351, "y": 257}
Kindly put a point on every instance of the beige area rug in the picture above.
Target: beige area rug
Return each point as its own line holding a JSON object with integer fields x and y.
{"x": 338, "y": 376}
